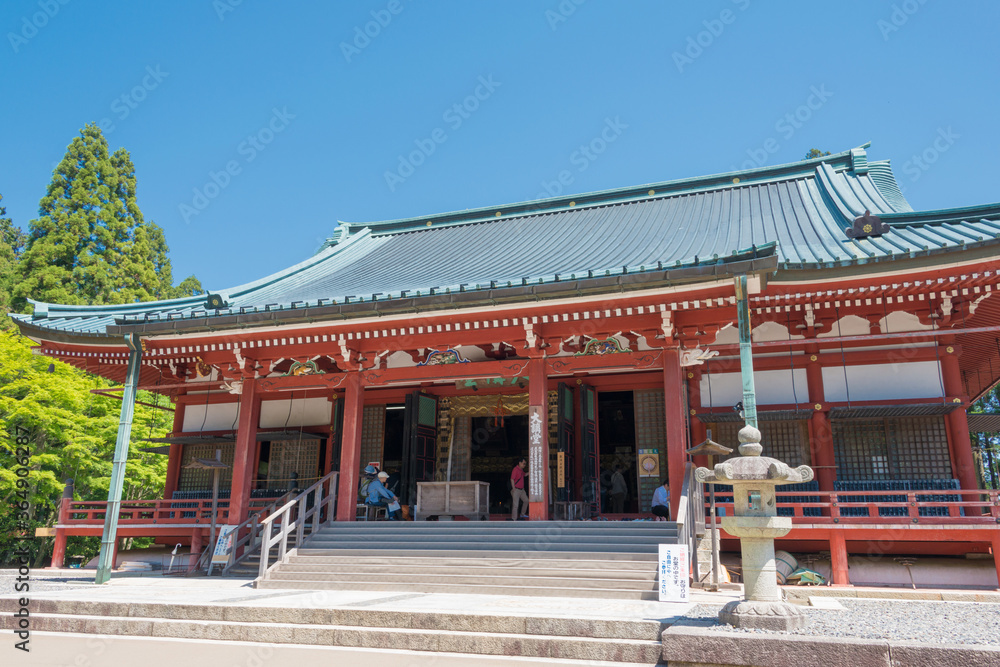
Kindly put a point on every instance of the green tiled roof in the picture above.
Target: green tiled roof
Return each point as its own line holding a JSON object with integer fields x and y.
{"x": 797, "y": 212}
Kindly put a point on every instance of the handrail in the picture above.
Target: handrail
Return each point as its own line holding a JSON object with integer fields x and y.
{"x": 837, "y": 506}
{"x": 287, "y": 523}
{"x": 688, "y": 517}
{"x": 252, "y": 538}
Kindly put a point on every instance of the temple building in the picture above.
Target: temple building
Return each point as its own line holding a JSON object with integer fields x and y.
{"x": 588, "y": 333}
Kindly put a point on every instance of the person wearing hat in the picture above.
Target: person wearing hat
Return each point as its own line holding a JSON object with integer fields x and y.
{"x": 379, "y": 496}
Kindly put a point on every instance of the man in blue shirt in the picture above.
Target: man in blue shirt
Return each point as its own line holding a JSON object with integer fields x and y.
{"x": 661, "y": 501}
{"x": 379, "y": 496}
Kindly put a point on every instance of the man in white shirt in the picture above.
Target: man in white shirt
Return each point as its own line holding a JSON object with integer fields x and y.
{"x": 661, "y": 501}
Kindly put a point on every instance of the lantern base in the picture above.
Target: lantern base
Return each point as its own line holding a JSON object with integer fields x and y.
{"x": 764, "y": 615}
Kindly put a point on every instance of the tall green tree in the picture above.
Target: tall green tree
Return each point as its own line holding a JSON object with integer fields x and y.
{"x": 90, "y": 243}
{"x": 12, "y": 241}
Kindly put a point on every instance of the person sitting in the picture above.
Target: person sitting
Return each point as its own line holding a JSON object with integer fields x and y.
{"x": 369, "y": 475}
{"x": 661, "y": 501}
{"x": 379, "y": 496}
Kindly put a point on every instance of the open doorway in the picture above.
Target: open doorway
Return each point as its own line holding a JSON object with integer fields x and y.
{"x": 495, "y": 450}
{"x": 392, "y": 444}
{"x": 616, "y": 435}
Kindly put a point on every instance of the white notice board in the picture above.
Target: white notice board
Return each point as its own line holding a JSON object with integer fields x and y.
{"x": 673, "y": 572}
{"x": 223, "y": 545}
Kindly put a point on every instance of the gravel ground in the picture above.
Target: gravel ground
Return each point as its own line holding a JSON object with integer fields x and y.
{"x": 40, "y": 581}
{"x": 900, "y": 620}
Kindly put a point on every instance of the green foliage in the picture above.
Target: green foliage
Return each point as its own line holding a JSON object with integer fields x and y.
{"x": 190, "y": 286}
{"x": 986, "y": 446}
{"x": 815, "y": 153}
{"x": 12, "y": 241}
{"x": 69, "y": 433}
{"x": 90, "y": 244}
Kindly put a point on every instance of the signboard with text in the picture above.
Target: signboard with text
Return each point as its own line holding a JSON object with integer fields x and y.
{"x": 672, "y": 573}
{"x": 224, "y": 545}
{"x": 537, "y": 466}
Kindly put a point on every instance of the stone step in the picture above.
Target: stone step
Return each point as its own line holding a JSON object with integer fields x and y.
{"x": 407, "y": 563}
{"x": 357, "y": 616}
{"x": 541, "y": 646}
{"x": 417, "y": 587}
{"x": 563, "y": 645}
{"x": 508, "y": 555}
{"x": 478, "y": 544}
{"x": 68, "y": 648}
{"x": 600, "y": 581}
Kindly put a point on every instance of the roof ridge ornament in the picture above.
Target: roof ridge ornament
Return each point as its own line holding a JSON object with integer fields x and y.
{"x": 865, "y": 226}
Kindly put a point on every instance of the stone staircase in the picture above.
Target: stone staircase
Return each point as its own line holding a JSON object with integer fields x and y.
{"x": 595, "y": 559}
{"x": 229, "y": 631}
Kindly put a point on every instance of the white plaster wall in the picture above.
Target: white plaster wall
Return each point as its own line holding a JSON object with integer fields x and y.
{"x": 772, "y": 387}
{"x": 849, "y": 325}
{"x": 883, "y": 382}
{"x": 304, "y": 412}
{"x": 900, "y": 321}
{"x": 728, "y": 335}
{"x": 400, "y": 360}
{"x": 770, "y": 331}
{"x": 219, "y": 417}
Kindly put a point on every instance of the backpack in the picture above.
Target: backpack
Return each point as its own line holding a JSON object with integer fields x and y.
{"x": 363, "y": 489}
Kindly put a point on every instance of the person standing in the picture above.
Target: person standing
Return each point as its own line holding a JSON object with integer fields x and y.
{"x": 661, "y": 501}
{"x": 517, "y": 494}
{"x": 618, "y": 491}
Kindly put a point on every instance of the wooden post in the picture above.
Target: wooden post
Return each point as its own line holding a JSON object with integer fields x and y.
{"x": 59, "y": 546}
{"x": 996, "y": 556}
{"x": 820, "y": 431}
{"x": 175, "y": 455}
{"x": 246, "y": 446}
{"x": 350, "y": 447}
{"x": 963, "y": 466}
{"x": 196, "y": 543}
{"x": 699, "y": 432}
{"x": 676, "y": 423}
{"x": 838, "y": 559}
{"x": 538, "y": 454}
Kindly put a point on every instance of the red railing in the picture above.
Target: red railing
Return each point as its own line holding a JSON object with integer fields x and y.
{"x": 149, "y": 512}
{"x": 973, "y": 507}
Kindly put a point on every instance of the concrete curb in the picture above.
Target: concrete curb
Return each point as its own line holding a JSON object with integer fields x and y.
{"x": 705, "y": 647}
{"x": 804, "y": 592}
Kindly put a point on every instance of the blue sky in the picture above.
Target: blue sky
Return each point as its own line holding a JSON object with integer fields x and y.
{"x": 256, "y": 126}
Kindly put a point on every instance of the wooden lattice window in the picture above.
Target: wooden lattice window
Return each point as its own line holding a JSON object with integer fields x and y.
{"x": 372, "y": 434}
{"x": 201, "y": 480}
{"x": 650, "y": 433}
{"x": 785, "y": 440}
{"x": 891, "y": 448}
{"x": 293, "y": 456}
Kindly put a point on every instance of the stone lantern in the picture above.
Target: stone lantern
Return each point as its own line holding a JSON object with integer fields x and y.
{"x": 756, "y": 523}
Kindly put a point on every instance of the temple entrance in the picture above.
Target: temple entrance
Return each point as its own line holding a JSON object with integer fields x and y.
{"x": 496, "y": 447}
{"x": 616, "y": 428}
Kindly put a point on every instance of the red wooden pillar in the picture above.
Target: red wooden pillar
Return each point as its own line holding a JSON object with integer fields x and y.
{"x": 59, "y": 546}
{"x": 328, "y": 457}
{"x": 350, "y": 448}
{"x": 962, "y": 464}
{"x": 538, "y": 399}
{"x": 820, "y": 431}
{"x": 676, "y": 421}
{"x": 698, "y": 430}
{"x": 175, "y": 455}
{"x": 246, "y": 447}
{"x": 196, "y": 542}
{"x": 996, "y": 556}
{"x": 838, "y": 559}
